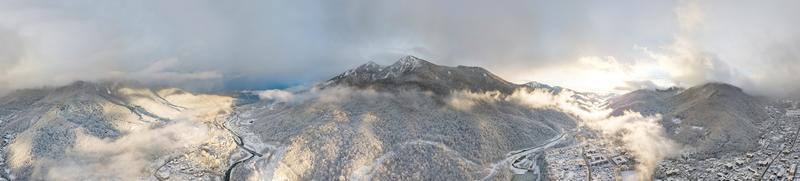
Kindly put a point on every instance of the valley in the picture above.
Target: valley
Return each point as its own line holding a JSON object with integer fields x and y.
{"x": 412, "y": 120}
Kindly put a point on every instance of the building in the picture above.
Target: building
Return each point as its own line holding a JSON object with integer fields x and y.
{"x": 619, "y": 160}
{"x": 597, "y": 159}
{"x": 793, "y": 113}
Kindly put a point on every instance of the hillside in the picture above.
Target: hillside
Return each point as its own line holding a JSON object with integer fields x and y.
{"x": 413, "y": 73}
{"x": 714, "y": 118}
{"x": 399, "y": 122}
{"x": 113, "y": 131}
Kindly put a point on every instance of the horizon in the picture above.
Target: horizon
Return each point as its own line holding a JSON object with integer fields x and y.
{"x": 306, "y": 85}
{"x": 522, "y": 90}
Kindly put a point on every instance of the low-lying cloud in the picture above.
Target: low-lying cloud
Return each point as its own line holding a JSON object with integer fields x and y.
{"x": 132, "y": 156}
{"x": 276, "y": 95}
{"x": 642, "y": 135}
{"x": 167, "y": 125}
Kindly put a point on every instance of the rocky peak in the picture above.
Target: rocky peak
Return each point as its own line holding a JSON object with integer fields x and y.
{"x": 410, "y": 71}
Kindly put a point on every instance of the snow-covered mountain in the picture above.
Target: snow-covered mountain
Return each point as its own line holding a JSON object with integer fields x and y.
{"x": 714, "y": 118}
{"x": 412, "y": 120}
{"x": 585, "y": 100}
{"x": 414, "y": 73}
{"x": 111, "y": 131}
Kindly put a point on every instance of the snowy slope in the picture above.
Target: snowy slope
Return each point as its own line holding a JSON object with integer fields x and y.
{"x": 113, "y": 131}
{"x": 398, "y": 122}
{"x": 412, "y": 73}
{"x": 715, "y": 117}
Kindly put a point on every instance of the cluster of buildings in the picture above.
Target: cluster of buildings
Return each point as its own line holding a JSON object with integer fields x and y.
{"x": 592, "y": 160}
{"x": 776, "y": 158}
{"x": 794, "y": 111}
{"x": 567, "y": 164}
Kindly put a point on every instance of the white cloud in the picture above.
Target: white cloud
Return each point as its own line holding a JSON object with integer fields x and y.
{"x": 170, "y": 72}
{"x": 127, "y": 157}
{"x": 257, "y": 45}
{"x": 276, "y": 95}
{"x": 601, "y": 74}
{"x": 642, "y": 135}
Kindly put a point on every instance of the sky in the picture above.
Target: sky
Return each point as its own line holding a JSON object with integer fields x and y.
{"x": 600, "y": 46}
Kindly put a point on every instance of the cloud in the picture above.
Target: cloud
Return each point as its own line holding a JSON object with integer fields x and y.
{"x": 178, "y": 128}
{"x": 685, "y": 60}
{"x": 276, "y": 95}
{"x": 160, "y": 71}
{"x": 643, "y": 136}
{"x": 605, "y": 74}
{"x": 276, "y": 44}
{"x": 636, "y": 85}
{"x": 45, "y": 44}
{"x": 257, "y": 45}
{"x": 700, "y": 52}
{"x": 128, "y": 157}
{"x": 168, "y": 72}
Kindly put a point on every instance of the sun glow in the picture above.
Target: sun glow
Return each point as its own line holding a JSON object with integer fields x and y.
{"x": 601, "y": 75}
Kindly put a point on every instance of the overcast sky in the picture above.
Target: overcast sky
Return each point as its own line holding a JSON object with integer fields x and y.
{"x": 605, "y": 46}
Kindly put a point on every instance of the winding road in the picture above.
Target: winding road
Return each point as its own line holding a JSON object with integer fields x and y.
{"x": 240, "y": 143}
{"x": 514, "y": 155}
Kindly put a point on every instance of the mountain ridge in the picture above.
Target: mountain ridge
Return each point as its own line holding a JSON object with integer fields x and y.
{"x": 410, "y": 72}
{"x": 54, "y": 125}
{"x": 401, "y": 121}
{"x": 715, "y": 118}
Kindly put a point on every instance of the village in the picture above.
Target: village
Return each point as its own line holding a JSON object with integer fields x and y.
{"x": 600, "y": 160}
{"x": 776, "y": 157}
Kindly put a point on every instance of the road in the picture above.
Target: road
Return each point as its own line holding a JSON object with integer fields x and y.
{"x": 240, "y": 143}
{"x": 514, "y": 155}
{"x": 780, "y": 153}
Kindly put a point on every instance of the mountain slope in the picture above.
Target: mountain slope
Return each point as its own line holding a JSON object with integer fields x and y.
{"x": 399, "y": 122}
{"x": 647, "y": 102}
{"x": 113, "y": 131}
{"x": 714, "y": 118}
{"x": 413, "y": 73}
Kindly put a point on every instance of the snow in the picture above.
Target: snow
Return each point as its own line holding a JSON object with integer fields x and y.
{"x": 116, "y": 117}
{"x": 793, "y": 113}
{"x": 629, "y": 176}
{"x": 513, "y": 155}
{"x": 676, "y": 120}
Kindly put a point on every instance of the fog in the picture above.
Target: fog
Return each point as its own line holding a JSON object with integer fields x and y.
{"x": 642, "y": 135}
{"x": 129, "y": 157}
{"x": 171, "y": 127}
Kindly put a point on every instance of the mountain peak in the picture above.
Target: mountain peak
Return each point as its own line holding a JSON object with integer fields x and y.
{"x": 411, "y": 71}
{"x": 77, "y": 88}
{"x": 720, "y": 86}
{"x": 369, "y": 66}
{"x": 410, "y": 60}
{"x": 409, "y": 63}
{"x": 539, "y": 85}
